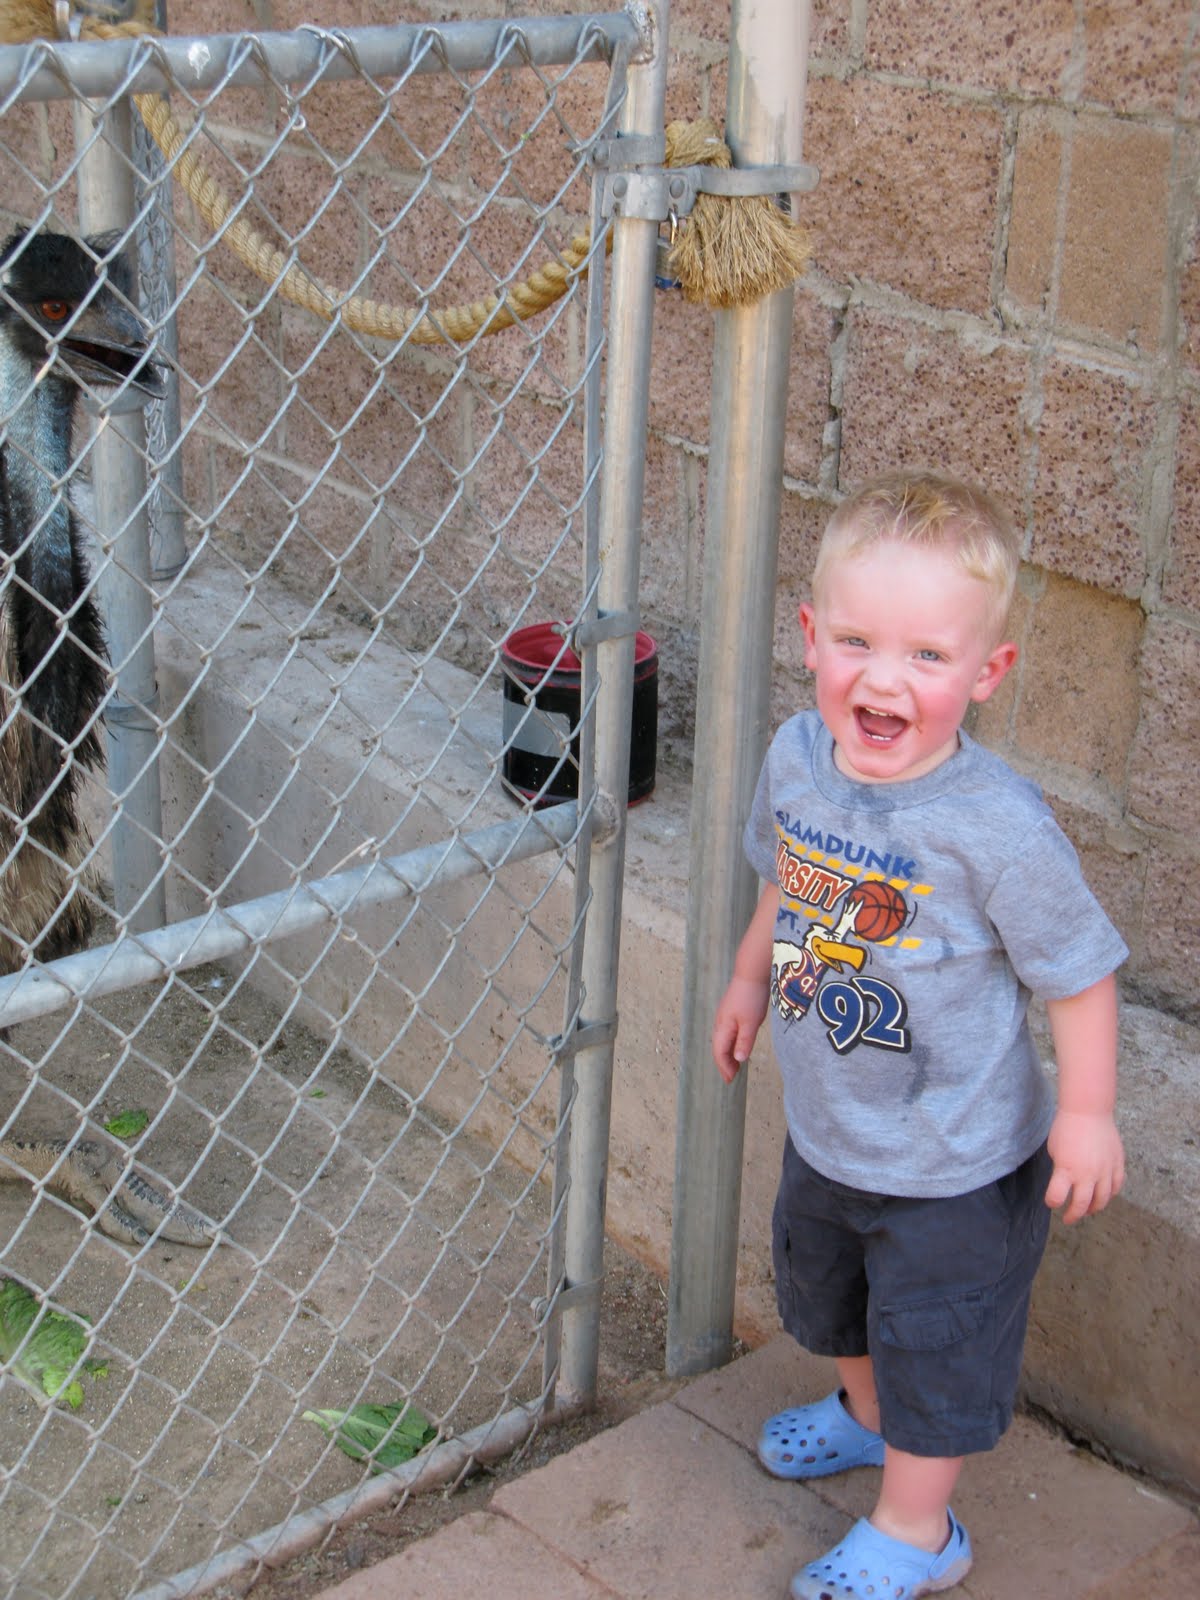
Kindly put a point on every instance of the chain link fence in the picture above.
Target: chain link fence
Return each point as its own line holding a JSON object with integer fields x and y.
{"x": 318, "y": 1042}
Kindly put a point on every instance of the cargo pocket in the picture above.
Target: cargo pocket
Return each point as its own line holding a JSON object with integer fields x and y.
{"x": 936, "y": 1355}
{"x": 935, "y": 1324}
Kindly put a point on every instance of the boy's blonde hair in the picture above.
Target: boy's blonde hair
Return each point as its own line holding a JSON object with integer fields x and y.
{"x": 932, "y": 511}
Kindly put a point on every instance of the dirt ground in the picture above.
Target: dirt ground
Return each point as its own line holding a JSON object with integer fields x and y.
{"x": 367, "y": 1253}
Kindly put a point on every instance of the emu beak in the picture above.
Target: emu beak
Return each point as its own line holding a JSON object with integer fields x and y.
{"x": 105, "y": 345}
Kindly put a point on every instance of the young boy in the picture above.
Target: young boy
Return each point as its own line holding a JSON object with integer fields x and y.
{"x": 919, "y": 891}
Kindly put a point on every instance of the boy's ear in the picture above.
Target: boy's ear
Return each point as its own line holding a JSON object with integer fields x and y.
{"x": 993, "y": 671}
{"x": 808, "y": 621}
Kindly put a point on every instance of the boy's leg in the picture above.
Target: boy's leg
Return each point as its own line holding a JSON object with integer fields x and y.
{"x": 914, "y": 1499}
{"x": 857, "y": 1377}
{"x": 911, "y": 1541}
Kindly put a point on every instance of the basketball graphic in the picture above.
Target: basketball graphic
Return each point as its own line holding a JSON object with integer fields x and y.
{"x": 880, "y": 909}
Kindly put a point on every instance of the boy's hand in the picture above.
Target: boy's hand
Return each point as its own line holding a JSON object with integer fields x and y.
{"x": 739, "y": 1017}
{"x": 1089, "y": 1162}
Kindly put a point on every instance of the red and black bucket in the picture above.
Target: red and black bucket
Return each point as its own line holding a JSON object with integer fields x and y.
{"x": 541, "y": 754}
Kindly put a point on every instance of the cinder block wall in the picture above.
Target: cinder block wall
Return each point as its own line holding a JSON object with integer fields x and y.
{"x": 1005, "y": 282}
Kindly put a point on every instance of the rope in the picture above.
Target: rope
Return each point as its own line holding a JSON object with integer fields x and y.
{"x": 731, "y": 252}
{"x": 455, "y": 324}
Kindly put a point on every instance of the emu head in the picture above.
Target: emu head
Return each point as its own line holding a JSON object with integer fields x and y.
{"x": 70, "y": 304}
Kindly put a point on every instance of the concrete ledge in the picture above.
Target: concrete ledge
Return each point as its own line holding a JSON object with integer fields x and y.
{"x": 1112, "y": 1351}
{"x": 1112, "y": 1345}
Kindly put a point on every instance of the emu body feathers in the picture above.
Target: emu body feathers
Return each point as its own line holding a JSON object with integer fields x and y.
{"x": 66, "y": 323}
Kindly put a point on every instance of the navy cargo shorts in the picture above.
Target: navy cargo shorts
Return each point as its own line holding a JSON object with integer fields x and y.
{"x": 935, "y": 1291}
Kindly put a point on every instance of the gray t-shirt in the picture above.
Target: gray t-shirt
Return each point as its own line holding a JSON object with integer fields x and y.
{"x": 915, "y": 920}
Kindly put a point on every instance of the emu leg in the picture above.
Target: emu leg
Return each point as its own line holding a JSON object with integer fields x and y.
{"x": 126, "y": 1204}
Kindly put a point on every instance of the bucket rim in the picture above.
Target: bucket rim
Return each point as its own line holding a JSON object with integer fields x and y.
{"x": 555, "y": 654}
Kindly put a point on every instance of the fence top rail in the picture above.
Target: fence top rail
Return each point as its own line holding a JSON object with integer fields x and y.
{"x": 46, "y": 70}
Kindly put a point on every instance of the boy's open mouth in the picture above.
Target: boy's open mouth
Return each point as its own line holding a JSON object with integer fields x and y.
{"x": 879, "y": 725}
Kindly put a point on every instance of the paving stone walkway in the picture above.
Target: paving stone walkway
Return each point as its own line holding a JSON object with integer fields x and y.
{"x": 672, "y": 1505}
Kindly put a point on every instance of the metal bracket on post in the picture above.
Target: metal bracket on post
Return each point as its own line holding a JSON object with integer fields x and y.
{"x": 138, "y": 715}
{"x": 568, "y": 1297}
{"x": 583, "y": 1036}
{"x": 624, "y": 151}
{"x": 636, "y": 184}
{"x": 595, "y": 630}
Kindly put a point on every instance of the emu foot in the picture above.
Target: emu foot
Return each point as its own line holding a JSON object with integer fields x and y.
{"x": 126, "y": 1204}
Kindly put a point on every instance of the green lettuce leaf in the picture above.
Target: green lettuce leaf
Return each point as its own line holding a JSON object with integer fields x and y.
{"x": 44, "y": 1349}
{"x": 127, "y": 1124}
{"x": 387, "y": 1436}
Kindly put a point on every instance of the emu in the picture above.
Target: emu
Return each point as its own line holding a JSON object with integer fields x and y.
{"x": 65, "y": 324}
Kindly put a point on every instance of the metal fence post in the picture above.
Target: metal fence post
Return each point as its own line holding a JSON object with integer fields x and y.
{"x": 631, "y": 309}
{"x": 767, "y": 65}
{"x": 121, "y": 517}
{"x": 164, "y": 421}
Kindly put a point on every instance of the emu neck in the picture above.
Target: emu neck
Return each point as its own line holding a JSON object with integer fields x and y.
{"x": 35, "y": 457}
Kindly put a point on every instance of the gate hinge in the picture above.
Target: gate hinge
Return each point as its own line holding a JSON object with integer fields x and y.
{"x": 595, "y": 630}
{"x": 583, "y": 1036}
{"x": 568, "y": 1297}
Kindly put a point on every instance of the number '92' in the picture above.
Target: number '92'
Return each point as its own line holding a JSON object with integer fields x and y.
{"x": 864, "y": 1011}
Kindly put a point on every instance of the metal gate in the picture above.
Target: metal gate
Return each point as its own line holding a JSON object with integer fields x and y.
{"x": 348, "y": 1004}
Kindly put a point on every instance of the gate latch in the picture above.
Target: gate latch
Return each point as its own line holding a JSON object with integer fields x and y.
{"x": 636, "y": 184}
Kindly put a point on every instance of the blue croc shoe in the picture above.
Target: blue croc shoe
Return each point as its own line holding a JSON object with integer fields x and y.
{"x": 868, "y": 1564}
{"x": 815, "y": 1441}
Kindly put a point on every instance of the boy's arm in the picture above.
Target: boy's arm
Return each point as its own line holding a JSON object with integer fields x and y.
{"x": 744, "y": 1003}
{"x": 1089, "y": 1162}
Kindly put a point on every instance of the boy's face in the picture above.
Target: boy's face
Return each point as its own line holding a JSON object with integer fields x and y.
{"x": 901, "y": 642}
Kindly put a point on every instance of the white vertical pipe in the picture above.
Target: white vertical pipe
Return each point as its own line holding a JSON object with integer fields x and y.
{"x": 768, "y": 60}
{"x": 168, "y": 548}
{"x": 118, "y": 465}
{"x": 630, "y": 317}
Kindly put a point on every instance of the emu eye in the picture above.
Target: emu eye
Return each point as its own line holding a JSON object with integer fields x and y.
{"x": 55, "y": 310}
